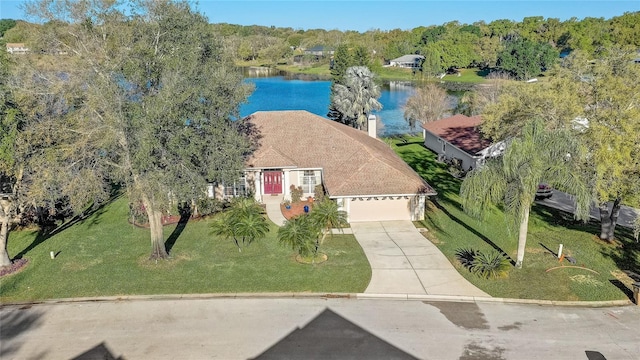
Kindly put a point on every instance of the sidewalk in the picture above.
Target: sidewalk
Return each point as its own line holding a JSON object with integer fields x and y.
{"x": 273, "y": 209}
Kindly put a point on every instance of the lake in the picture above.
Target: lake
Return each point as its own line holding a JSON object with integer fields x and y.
{"x": 280, "y": 91}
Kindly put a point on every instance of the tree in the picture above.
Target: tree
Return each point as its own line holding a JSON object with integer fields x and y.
{"x": 428, "y": 104}
{"x": 6, "y": 24}
{"x": 244, "y": 222}
{"x": 146, "y": 101}
{"x": 357, "y": 97}
{"x": 525, "y": 59}
{"x": 300, "y": 234}
{"x": 512, "y": 179}
{"x": 326, "y": 215}
{"x": 609, "y": 92}
{"x": 10, "y": 169}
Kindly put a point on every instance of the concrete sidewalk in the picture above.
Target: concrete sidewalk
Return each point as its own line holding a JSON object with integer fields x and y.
{"x": 274, "y": 213}
{"x": 405, "y": 262}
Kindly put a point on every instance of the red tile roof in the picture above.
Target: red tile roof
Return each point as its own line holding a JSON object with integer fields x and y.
{"x": 461, "y": 131}
{"x": 353, "y": 163}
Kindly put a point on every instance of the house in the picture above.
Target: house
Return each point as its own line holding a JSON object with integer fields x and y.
{"x": 319, "y": 51}
{"x": 362, "y": 173}
{"x": 458, "y": 137}
{"x": 17, "y": 48}
{"x": 408, "y": 61}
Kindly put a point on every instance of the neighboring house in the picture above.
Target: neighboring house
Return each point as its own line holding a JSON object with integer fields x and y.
{"x": 458, "y": 137}
{"x": 362, "y": 173}
{"x": 408, "y": 61}
{"x": 17, "y": 48}
{"x": 319, "y": 51}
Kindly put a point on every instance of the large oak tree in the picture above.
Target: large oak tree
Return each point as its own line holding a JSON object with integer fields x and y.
{"x": 143, "y": 97}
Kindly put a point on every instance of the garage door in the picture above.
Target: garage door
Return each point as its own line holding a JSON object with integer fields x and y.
{"x": 379, "y": 210}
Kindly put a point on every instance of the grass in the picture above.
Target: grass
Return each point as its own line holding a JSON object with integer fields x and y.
{"x": 474, "y": 76}
{"x": 542, "y": 276}
{"x": 104, "y": 255}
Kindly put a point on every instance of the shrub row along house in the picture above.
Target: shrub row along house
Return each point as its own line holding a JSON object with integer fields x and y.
{"x": 362, "y": 173}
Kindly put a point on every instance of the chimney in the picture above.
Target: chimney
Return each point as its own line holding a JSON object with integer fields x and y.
{"x": 371, "y": 126}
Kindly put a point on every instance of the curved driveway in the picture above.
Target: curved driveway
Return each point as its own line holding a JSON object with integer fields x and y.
{"x": 405, "y": 262}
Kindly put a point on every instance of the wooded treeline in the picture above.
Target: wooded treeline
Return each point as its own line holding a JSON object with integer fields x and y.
{"x": 450, "y": 45}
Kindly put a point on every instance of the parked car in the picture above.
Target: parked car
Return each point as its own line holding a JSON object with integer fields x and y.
{"x": 544, "y": 191}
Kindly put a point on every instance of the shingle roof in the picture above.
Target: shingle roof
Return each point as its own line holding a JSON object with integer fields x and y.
{"x": 461, "y": 131}
{"x": 353, "y": 163}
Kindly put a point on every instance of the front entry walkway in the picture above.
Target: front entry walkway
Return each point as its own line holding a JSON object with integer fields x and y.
{"x": 405, "y": 262}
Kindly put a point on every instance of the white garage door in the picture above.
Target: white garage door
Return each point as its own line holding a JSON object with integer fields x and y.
{"x": 379, "y": 210}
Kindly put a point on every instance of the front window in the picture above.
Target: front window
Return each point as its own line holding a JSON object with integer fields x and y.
{"x": 309, "y": 181}
{"x": 236, "y": 188}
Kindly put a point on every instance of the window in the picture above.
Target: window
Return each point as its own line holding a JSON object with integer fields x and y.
{"x": 309, "y": 181}
{"x": 237, "y": 188}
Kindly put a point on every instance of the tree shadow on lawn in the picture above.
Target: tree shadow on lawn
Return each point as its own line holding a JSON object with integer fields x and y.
{"x": 92, "y": 214}
{"x": 433, "y": 172}
{"x": 185, "y": 215}
{"x": 474, "y": 232}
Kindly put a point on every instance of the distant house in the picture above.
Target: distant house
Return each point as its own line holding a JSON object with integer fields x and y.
{"x": 17, "y": 48}
{"x": 362, "y": 173}
{"x": 458, "y": 137}
{"x": 319, "y": 51}
{"x": 408, "y": 61}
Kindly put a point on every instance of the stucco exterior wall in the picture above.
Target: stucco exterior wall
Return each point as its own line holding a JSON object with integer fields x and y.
{"x": 439, "y": 146}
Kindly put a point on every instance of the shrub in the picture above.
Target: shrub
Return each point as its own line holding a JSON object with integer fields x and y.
{"x": 490, "y": 265}
{"x": 466, "y": 256}
{"x": 296, "y": 193}
{"x": 318, "y": 193}
{"x": 485, "y": 265}
{"x": 210, "y": 206}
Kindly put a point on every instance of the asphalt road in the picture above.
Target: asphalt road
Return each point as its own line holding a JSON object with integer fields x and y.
{"x": 316, "y": 328}
{"x": 563, "y": 201}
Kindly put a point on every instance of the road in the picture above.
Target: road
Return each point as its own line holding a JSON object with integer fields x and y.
{"x": 287, "y": 328}
{"x": 564, "y": 202}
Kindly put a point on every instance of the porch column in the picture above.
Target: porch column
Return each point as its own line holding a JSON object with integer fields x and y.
{"x": 286, "y": 182}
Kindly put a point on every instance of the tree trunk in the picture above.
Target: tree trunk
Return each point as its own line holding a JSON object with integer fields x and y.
{"x": 4, "y": 233}
{"x": 158, "y": 250}
{"x": 609, "y": 219}
{"x": 522, "y": 237}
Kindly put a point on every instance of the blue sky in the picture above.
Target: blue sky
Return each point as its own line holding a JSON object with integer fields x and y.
{"x": 363, "y": 15}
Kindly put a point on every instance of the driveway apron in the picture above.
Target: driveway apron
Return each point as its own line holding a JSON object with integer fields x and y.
{"x": 405, "y": 262}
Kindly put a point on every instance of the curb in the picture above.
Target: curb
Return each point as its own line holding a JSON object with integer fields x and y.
{"x": 326, "y": 296}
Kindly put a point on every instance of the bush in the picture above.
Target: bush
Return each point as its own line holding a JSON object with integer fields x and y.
{"x": 490, "y": 265}
{"x": 210, "y": 206}
{"x": 318, "y": 193}
{"x": 296, "y": 193}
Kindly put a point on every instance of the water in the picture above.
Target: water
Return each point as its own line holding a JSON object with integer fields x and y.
{"x": 291, "y": 92}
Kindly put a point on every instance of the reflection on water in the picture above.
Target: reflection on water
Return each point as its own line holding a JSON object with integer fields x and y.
{"x": 278, "y": 90}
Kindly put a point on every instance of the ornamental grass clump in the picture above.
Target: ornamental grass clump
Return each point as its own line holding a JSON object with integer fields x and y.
{"x": 489, "y": 265}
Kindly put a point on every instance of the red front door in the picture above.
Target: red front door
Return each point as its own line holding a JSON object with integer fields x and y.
{"x": 273, "y": 182}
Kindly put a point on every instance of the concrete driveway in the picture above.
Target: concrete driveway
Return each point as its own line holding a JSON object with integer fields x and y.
{"x": 405, "y": 262}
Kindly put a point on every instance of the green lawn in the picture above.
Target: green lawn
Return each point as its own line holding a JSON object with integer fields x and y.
{"x": 473, "y": 75}
{"x": 105, "y": 255}
{"x": 542, "y": 276}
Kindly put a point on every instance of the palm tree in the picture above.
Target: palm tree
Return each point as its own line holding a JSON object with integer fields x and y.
{"x": 326, "y": 216}
{"x": 512, "y": 179}
{"x": 245, "y": 219}
{"x": 298, "y": 233}
{"x": 428, "y": 104}
{"x": 357, "y": 97}
{"x": 250, "y": 227}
